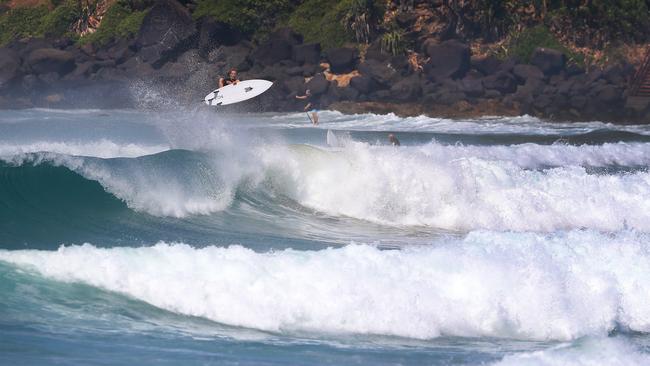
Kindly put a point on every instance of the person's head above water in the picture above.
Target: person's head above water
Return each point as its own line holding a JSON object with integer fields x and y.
{"x": 393, "y": 140}
{"x": 232, "y": 74}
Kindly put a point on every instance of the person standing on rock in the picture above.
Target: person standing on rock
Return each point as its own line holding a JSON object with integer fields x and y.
{"x": 311, "y": 107}
{"x": 231, "y": 79}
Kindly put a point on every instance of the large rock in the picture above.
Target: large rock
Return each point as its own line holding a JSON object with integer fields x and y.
{"x": 363, "y": 83}
{"x": 406, "y": 89}
{"x": 548, "y": 60}
{"x": 272, "y": 51}
{"x": 213, "y": 34}
{"x": 487, "y": 65}
{"x": 342, "y": 60}
{"x": 472, "y": 87}
{"x": 46, "y": 60}
{"x": 166, "y": 31}
{"x": 288, "y": 35}
{"x": 9, "y": 66}
{"x": 608, "y": 96}
{"x": 227, "y": 57}
{"x": 380, "y": 71}
{"x": 306, "y": 53}
{"x": 503, "y": 82}
{"x": 450, "y": 59}
{"x": 317, "y": 85}
{"x": 525, "y": 72}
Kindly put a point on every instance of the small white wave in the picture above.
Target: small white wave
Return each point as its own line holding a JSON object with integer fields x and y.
{"x": 496, "y": 125}
{"x": 524, "y": 286}
{"x": 534, "y": 156}
{"x": 587, "y": 352}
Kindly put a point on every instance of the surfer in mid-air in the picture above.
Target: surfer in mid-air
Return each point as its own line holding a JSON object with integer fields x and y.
{"x": 311, "y": 107}
{"x": 231, "y": 79}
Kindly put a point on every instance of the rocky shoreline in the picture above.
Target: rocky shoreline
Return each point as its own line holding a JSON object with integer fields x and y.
{"x": 175, "y": 60}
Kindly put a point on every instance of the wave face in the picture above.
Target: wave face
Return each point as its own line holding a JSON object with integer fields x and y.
{"x": 460, "y": 188}
{"x": 488, "y": 284}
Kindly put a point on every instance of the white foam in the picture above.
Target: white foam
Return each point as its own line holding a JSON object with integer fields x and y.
{"x": 524, "y": 286}
{"x": 429, "y": 186}
{"x": 102, "y": 148}
{"x": 534, "y": 156}
{"x": 496, "y": 125}
{"x": 588, "y": 352}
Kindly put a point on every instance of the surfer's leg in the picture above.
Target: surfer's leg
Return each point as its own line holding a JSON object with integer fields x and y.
{"x": 314, "y": 116}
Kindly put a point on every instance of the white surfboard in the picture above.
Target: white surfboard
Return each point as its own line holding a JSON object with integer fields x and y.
{"x": 231, "y": 94}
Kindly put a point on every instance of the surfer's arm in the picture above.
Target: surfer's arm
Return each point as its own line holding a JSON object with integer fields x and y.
{"x": 220, "y": 82}
{"x": 301, "y": 97}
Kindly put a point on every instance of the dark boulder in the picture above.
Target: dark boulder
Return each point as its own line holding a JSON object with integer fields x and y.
{"x": 472, "y": 87}
{"x": 492, "y": 94}
{"x": 449, "y": 98}
{"x": 272, "y": 51}
{"x": 45, "y": 60}
{"x": 226, "y": 57}
{"x": 406, "y": 89}
{"x": 294, "y": 71}
{"x": 450, "y": 59}
{"x": 486, "y": 65}
{"x": 166, "y": 31}
{"x": 288, "y": 35}
{"x": 363, "y": 83}
{"x": 542, "y": 102}
{"x": 348, "y": 93}
{"x": 342, "y": 60}
{"x": 294, "y": 84}
{"x": 213, "y": 34}
{"x": 317, "y": 85}
{"x": 503, "y": 82}
{"x": 306, "y": 53}
{"x": 614, "y": 75}
{"x": 380, "y": 71}
{"x": 310, "y": 70}
{"x": 82, "y": 71}
{"x": 548, "y": 60}
{"x": 9, "y": 66}
{"x": 525, "y": 72}
{"x": 608, "y": 95}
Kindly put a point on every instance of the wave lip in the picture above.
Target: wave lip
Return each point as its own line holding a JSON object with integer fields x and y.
{"x": 102, "y": 148}
{"x": 506, "y": 285}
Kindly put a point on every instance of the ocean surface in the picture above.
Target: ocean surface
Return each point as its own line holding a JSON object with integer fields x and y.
{"x": 181, "y": 237}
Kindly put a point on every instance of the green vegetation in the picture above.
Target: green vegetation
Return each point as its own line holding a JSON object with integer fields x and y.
{"x": 320, "y": 21}
{"x": 120, "y": 21}
{"x": 58, "y": 22}
{"x": 616, "y": 18}
{"x": 393, "y": 42}
{"x": 21, "y": 22}
{"x": 523, "y": 45}
{"x": 38, "y": 21}
{"x": 247, "y": 16}
{"x": 336, "y": 22}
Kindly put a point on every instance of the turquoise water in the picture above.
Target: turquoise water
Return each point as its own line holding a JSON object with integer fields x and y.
{"x": 192, "y": 237}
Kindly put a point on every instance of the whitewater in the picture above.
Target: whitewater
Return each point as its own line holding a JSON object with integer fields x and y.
{"x": 190, "y": 236}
